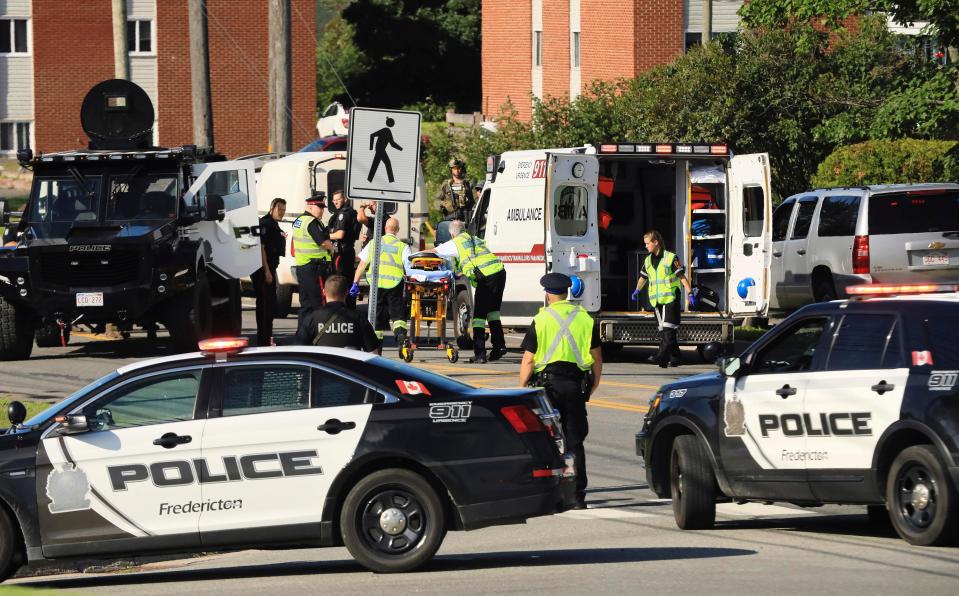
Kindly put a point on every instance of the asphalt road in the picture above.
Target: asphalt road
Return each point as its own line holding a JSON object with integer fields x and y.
{"x": 626, "y": 542}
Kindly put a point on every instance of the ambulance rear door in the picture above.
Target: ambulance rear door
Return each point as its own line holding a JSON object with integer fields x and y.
{"x": 572, "y": 233}
{"x": 749, "y": 217}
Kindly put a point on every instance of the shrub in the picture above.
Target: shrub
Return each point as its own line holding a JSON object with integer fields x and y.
{"x": 886, "y": 162}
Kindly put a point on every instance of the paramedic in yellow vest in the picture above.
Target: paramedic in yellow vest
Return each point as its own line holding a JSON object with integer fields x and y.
{"x": 562, "y": 353}
{"x": 487, "y": 274}
{"x": 664, "y": 273}
{"x": 390, "y": 305}
{"x": 312, "y": 251}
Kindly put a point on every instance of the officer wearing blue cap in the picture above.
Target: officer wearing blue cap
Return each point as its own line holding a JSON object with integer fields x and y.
{"x": 563, "y": 354}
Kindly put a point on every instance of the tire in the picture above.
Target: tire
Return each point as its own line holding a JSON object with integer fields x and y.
{"x": 189, "y": 317}
{"x": 692, "y": 484}
{"x": 284, "y": 300}
{"x": 10, "y": 559}
{"x": 228, "y": 317}
{"x": 922, "y": 500}
{"x": 823, "y": 288}
{"x": 462, "y": 314}
{"x": 48, "y": 336}
{"x": 417, "y": 537}
{"x": 16, "y": 332}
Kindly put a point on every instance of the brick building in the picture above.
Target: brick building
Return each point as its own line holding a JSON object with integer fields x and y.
{"x": 558, "y": 47}
{"x": 52, "y": 52}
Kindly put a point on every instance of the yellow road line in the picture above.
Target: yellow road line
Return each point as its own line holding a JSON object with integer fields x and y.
{"x": 612, "y": 405}
{"x": 620, "y": 384}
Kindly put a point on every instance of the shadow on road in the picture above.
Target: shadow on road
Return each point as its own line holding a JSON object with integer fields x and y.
{"x": 440, "y": 564}
{"x": 837, "y": 525}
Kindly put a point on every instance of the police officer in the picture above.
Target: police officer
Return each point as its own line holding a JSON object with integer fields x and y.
{"x": 336, "y": 325}
{"x": 563, "y": 354}
{"x": 664, "y": 273}
{"x": 272, "y": 247}
{"x": 455, "y": 197}
{"x": 390, "y": 305}
{"x": 343, "y": 232}
{"x": 487, "y": 274}
{"x": 311, "y": 248}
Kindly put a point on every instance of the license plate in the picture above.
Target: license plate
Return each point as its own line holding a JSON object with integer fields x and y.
{"x": 935, "y": 258}
{"x": 89, "y": 299}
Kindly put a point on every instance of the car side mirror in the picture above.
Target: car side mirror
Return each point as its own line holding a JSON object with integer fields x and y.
{"x": 72, "y": 424}
{"x": 730, "y": 367}
{"x": 214, "y": 208}
{"x": 16, "y": 413}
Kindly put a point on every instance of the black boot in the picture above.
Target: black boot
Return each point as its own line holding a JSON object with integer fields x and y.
{"x": 479, "y": 346}
{"x": 498, "y": 339}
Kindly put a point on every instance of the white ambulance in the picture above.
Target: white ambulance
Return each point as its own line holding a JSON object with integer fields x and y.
{"x": 295, "y": 178}
{"x": 583, "y": 211}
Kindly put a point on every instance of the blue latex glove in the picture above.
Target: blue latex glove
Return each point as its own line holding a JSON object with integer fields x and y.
{"x": 355, "y": 289}
{"x": 692, "y": 301}
{"x": 635, "y": 294}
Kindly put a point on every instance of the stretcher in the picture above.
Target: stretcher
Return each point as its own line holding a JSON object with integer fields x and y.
{"x": 429, "y": 283}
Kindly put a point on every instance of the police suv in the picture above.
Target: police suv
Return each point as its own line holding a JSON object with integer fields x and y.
{"x": 852, "y": 402}
{"x": 275, "y": 448}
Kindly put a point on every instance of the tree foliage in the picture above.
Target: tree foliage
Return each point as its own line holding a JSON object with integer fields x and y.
{"x": 885, "y": 162}
{"x": 337, "y": 54}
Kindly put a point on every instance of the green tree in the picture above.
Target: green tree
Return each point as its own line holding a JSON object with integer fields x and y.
{"x": 337, "y": 59}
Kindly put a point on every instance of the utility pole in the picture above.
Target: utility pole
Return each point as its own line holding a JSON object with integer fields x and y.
{"x": 200, "y": 75}
{"x": 279, "y": 55}
{"x": 121, "y": 58}
{"x": 707, "y": 21}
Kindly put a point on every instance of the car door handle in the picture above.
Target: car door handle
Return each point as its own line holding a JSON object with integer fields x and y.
{"x": 785, "y": 391}
{"x": 777, "y": 254}
{"x": 334, "y": 426}
{"x": 883, "y": 387}
{"x": 171, "y": 440}
{"x": 801, "y": 251}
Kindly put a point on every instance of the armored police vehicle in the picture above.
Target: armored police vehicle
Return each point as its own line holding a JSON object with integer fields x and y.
{"x": 126, "y": 233}
{"x": 851, "y": 402}
{"x": 275, "y": 448}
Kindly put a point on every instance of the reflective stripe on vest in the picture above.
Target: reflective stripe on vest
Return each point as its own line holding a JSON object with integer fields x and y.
{"x": 564, "y": 332}
{"x": 471, "y": 253}
{"x": 305, "y": 249}
{"x": 391, "y": 262}
{"x": 663, "y": 282}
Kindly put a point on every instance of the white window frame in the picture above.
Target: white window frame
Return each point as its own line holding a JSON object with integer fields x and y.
{"x": 537, "y": 49}
{"x": 136, "y": 37}
{"x": 575, "y": 54}
{"x": 13, "y": 42}
{"x": 16, "y": 136}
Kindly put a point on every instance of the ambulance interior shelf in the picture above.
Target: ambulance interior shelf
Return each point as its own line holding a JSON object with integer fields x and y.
{"x": 707, "y": 229}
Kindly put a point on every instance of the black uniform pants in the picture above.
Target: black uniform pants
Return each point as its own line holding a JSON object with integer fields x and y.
{"x": 667, "y": 318}
{"x": 566, "y": 394}
{"x": 344, "y": 263}
{"x": 390, "y": 306}
{"x": 265, "y": 305}
{"x": 310, "y": 277}
{"x": 488, "y": 300}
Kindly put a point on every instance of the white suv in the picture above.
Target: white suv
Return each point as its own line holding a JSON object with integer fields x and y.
{"x": 828, "y": 239}
{"x": 334, "y": 121}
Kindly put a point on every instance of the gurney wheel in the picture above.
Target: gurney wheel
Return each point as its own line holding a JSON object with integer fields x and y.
{"x": 452, "y": 354}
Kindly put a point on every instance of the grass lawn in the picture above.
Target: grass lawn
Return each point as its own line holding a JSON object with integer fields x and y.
{"x": 33, "y": 408}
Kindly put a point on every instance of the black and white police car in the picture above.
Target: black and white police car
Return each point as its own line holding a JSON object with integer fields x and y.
{"x": 275, "y": 448}
{"x": 852, "y": 402}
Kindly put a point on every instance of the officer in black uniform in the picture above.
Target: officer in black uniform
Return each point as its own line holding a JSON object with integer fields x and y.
{"x": 336, "y": 325}
{"x": 343, "y": 232}
{"x": 563, "y": 354}
{"x": 273, "y": 243}
{"x": 311, "y": 247}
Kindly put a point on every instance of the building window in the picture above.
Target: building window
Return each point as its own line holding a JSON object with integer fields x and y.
{"x": 13, "y": 36}
{"x": 14, "y": 136}
{"x": 574, "y": 49}
{"x": 693, "y": 39}
{"x": 537, "y": 48}
{"x": 140, "y": 36}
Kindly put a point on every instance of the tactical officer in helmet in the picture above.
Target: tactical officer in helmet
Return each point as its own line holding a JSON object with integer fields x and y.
{"x": 311, "y": 248}
{"x": 336, "y": 325}
{"x": 455, "y": 198}
{"x": 563, "y": 354}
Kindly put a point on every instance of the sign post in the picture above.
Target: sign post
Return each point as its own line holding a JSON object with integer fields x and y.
{"x": 382, "y": 164}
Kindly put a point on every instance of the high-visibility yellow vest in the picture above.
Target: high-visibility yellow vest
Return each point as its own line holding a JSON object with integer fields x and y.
{"x": 305, "y": 249}
{"x": 563, "y": 334}
{"x": 663, "y": 281}
{"x": 472, "y": 254}
{"x": 391, "y": 262}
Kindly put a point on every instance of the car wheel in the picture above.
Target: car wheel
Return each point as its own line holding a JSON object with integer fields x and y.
{"x": 823, "y": 290}
{"x": 16, "y": 332}
{"x": 284, "y": 300}
{"x": 392, "y": 521}
{"x": 48, "y": 336}
{"x": 189, "y": 317}
{"x": 922, "y": 500}
{"x": 228, "y": 316}
{"x": 692, "y": 485}
{"x": 9, "y": 543}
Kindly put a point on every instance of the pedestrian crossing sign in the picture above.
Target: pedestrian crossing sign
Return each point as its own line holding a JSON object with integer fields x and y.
{"x": 382, "y": 161}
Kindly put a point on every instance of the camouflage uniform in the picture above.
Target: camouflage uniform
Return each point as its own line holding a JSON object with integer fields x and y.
{"x": 455, "y": 198}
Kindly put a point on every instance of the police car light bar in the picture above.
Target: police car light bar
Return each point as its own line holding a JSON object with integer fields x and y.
{"x": 892, "y": 289}
{"x": 220, "y": 347}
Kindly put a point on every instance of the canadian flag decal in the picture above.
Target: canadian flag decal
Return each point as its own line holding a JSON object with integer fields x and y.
{"x": 921, "y": 358}
{"x": 412, "y": 388}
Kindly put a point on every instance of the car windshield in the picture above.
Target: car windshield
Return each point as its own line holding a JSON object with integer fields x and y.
{"x": 139, "y": 195}
{"x": 65, "y": 199}
{"x": 42, "y": 417}
{"x": 905, "y": 213}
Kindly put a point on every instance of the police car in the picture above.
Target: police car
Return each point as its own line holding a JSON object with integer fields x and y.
{"x": 275, "y": 448}
{"x": 852, "y": 402}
